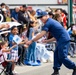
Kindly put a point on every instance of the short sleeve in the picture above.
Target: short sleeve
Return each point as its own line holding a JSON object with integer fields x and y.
{"x": 10, "y": 38}
{"x": 30, "y": 33}
{"x": 31, "y": 30}
{"x": 45, "y": 28}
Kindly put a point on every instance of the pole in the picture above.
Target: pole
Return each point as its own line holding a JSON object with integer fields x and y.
{"x": 70, "y": 12}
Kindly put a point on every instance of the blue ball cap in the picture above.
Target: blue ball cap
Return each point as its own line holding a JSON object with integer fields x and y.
{"x": 41, "y": 14}
{"x": 38, "y": 11}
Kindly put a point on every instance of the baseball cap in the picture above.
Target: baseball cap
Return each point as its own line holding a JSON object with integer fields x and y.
{"x": 38, "y": 11}
{"x": 41, "y": 14}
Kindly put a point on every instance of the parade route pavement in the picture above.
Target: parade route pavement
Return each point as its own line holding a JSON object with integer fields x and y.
{"x": 44, "y": 69}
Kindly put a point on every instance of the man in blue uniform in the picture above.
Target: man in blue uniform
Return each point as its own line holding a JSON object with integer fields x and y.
{"x": 62, "y": 37}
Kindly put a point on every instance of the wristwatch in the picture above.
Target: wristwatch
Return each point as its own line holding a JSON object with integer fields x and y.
{"x": 32, "y": 40}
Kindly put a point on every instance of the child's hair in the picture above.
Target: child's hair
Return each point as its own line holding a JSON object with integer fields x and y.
{"x": 2, "y": 43}
{"x": 13, "y": 27}
{"x": 29, "y": 26}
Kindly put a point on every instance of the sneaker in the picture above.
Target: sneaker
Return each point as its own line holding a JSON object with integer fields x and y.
{"x": 35, "y": 64}
{"x": 11, "y": 74}
{"x": 29, "y": 63}
{"x": 14, "y": 72}
{"x": 23, "y": 63}
{"x": 20, "y": 64}
{"x": 74, "y": 72}
{"x": 55, "y": 73}
{"x": 6, "y": 73}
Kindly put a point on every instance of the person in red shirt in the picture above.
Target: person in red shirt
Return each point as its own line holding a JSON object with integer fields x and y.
{"x": 64, "y": 18}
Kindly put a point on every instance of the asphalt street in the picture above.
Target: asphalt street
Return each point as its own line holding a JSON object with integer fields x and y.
{"x": 44, "y": 69}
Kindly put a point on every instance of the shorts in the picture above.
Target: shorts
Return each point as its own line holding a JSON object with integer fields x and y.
{"x": 14, "y": 55}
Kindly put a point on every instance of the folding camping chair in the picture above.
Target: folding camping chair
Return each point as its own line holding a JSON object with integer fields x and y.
{"x": 3, "y": 63}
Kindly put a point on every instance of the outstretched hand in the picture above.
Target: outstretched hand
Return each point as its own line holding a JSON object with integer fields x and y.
{"x": 26, "y": 46}
{"x": 6, "y": 25}
{"x": 28, "y": 42}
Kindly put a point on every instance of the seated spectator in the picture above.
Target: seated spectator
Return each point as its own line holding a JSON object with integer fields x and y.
{"x": 14, "y": 14}
{"x": 32, "y": 15}
{"x": 23, "y": 16}
{"x": 4, "y": 26}
{"x": 24, "y": 32}
{"x": 74, "y": 34}
{"x": 74, "y": 29}
{"x": 8, "y": 17}
{"x": 48, "y": 9}
{"x": 4, "y": 13}
{"x": 43, "y": 54}
{"x": 5, "y": 51}
{"x": 21, "y": 49}
{"x": 72, "y": 47}
{"x": 58, "y": 18}
{"x": 3, "y": 5}
{"x": 5, "y": 35}
{"x": 51, "y": 15}
{"x": 64, "y": 19}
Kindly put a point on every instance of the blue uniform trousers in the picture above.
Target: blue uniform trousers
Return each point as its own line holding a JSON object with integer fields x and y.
{"x": 60, "y": 56}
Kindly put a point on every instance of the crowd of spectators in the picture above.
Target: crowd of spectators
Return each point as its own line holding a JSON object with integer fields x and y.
{"x": 30, "y": 26}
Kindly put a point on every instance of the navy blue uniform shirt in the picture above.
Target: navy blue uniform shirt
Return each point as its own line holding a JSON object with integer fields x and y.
{"x": 56, "y": 30}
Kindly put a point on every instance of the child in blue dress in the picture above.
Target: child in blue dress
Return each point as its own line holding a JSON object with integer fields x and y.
{"x": 31, "y": 56}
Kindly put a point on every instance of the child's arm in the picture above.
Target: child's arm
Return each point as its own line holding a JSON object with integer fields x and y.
{"x": 7, "y": 50}
{"x": 12, "y": 47}
{"x": 23, "y": 42}
{"x": 13, "y": 43}
{"x": 9, "y": 60}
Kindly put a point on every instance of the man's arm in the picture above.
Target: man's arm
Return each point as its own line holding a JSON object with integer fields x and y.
{"x": 1, "y": 26}
{"x": 37, "y": 37}
{"x": 4, "y": 26}
{"x": 49, "y": 40}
